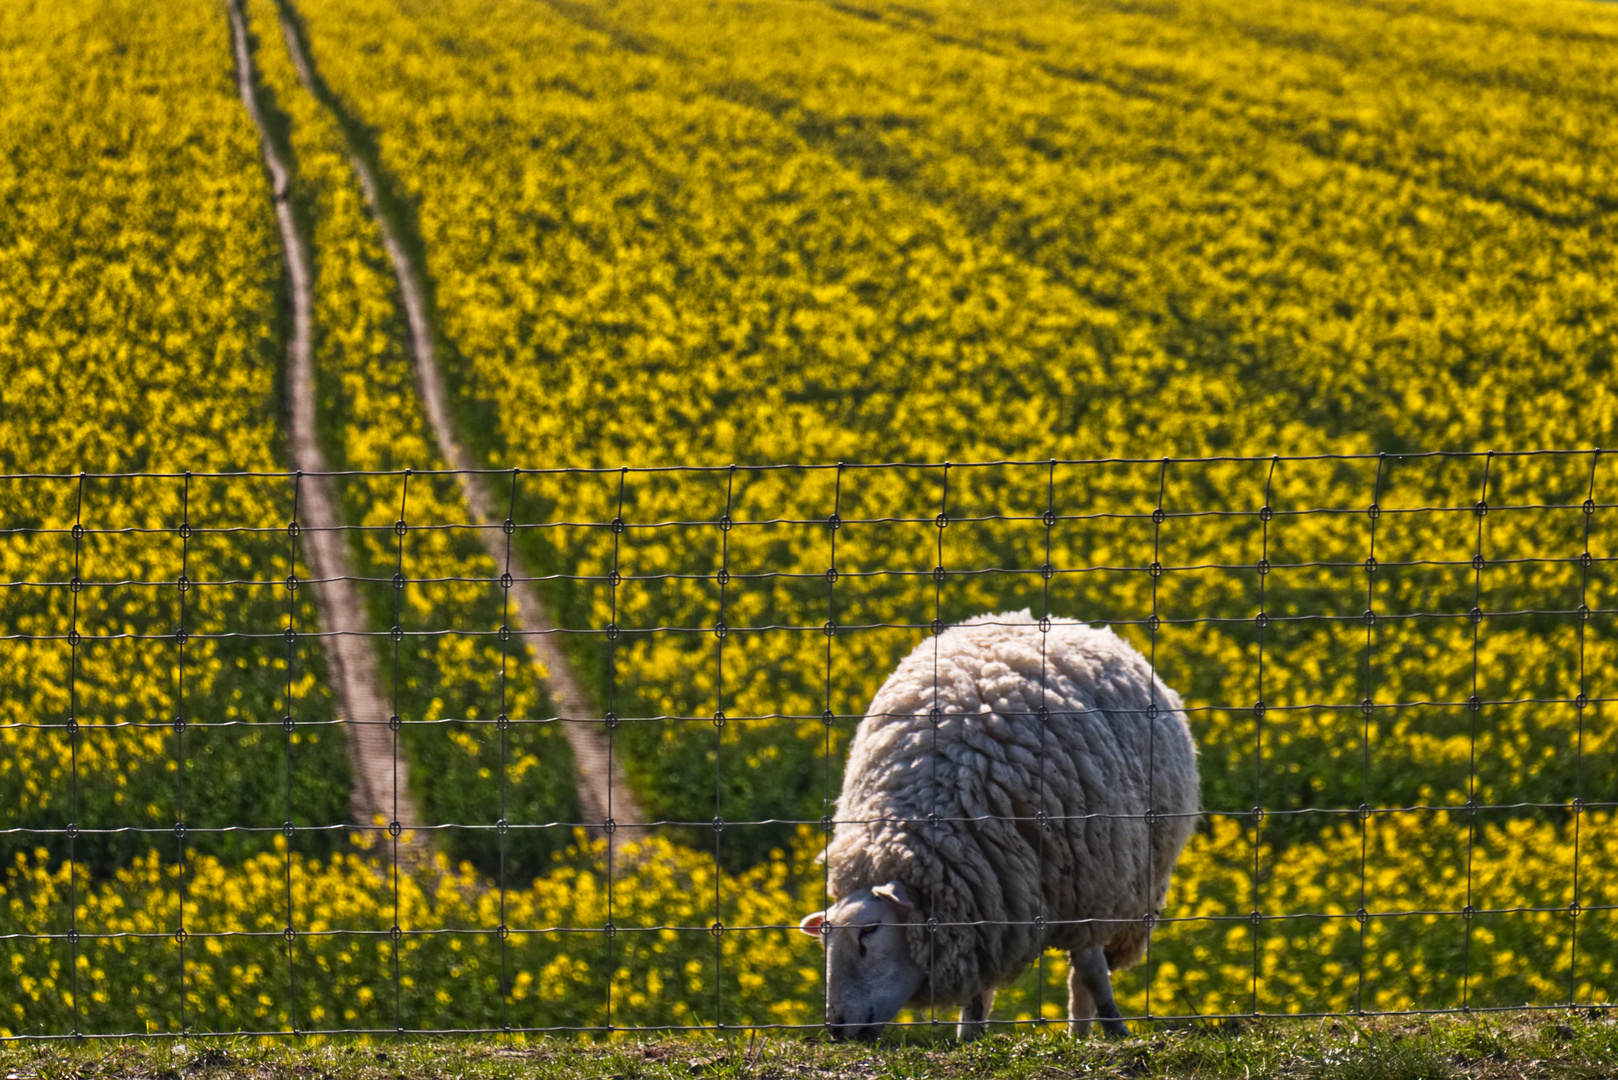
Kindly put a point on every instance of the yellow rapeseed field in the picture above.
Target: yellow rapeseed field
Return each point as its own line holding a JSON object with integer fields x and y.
{"x": 664, "y": 966}
{"x": 752, "y": 233}
{"x": 660, "y": 235}
{"x": 139, "y": 269}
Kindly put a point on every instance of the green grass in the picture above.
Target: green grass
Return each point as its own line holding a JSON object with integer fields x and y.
{"x": 1579, "y": 1046}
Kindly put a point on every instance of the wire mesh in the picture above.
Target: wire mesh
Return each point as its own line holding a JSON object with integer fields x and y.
{"x": 1398, "y": 704}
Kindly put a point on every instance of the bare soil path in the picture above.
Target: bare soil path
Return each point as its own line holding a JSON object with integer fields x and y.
{"x": 602, "y": 792}
{"x": 381, "y": 790}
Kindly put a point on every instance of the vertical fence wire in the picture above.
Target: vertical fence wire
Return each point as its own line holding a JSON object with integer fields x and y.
{"x": 1475, "y": 705}
{"x": 1153, "y": 622}
{"x": 73, "y": 743}
{"x": 1263, "y": 621}
{"x": 502, "y": 726}
{"x": 288, "y": 724}
{"x": 1366, "y": 708}
{"x": 720, "y": 632}
{"x": 1579, "y": 704}
{"x": 610, "y": 827}
{"x": 395, "y": 724}
{"x": 936, "y": 715}
{"x": 828, "y": 717}
{"x": 1043, "y": 817}
{"x": 181, "y": 586}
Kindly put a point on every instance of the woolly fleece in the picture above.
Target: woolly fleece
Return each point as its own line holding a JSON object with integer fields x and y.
{"x": 1104, "y": 764}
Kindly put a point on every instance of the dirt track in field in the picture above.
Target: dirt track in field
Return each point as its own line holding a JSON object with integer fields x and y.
{"x": 602, "y": 791}
{"x": 381, "y": 789}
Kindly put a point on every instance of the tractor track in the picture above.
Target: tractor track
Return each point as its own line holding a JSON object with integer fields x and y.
{"x": 602, "y": 791}
{"x": 381, "y": 792}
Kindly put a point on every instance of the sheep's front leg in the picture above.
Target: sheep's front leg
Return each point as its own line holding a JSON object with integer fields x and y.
{"x": 1080, "y": 1005}
{"x": 1090, "y": 966}
{"x": 975, "y": 1016}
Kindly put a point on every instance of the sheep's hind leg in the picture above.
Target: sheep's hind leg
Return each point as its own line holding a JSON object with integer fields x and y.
{"x": 1081, "y": 1007}
{"x": 975, "y": 1016}
{"x": 1090, "y": 965}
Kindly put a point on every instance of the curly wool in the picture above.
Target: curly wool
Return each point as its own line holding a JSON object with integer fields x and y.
{"x": 981, "y": 868}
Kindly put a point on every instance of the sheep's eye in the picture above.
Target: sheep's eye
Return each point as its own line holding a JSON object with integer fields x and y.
{"x": 865, "y": 931}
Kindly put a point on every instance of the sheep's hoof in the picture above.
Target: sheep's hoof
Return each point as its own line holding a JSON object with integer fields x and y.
{"x": 1115, "y": 1029}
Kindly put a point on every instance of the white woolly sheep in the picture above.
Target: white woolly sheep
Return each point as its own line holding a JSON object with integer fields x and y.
{"x": 968, "y": 846}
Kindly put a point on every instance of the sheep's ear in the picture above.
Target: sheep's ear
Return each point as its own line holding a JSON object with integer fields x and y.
{"x": 894, "y": 892}
{"x": 811, "y": 923}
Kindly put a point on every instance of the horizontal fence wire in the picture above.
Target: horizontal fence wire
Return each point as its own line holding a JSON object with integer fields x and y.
{"x": 1395, "y": 668}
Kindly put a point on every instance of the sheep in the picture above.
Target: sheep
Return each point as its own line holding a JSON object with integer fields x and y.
{"x": 1053, "y": 833}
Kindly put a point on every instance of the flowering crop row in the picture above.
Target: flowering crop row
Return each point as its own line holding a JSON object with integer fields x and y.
{"x": 450, "y": 966}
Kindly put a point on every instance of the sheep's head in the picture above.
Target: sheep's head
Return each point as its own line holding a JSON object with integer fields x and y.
{"x": 869, "y": 971}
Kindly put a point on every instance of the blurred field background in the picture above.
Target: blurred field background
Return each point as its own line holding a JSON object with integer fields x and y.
{"x": 664, "y": 234}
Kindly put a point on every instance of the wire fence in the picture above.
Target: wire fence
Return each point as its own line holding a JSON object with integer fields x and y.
{"x": 1395, "y": 667}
